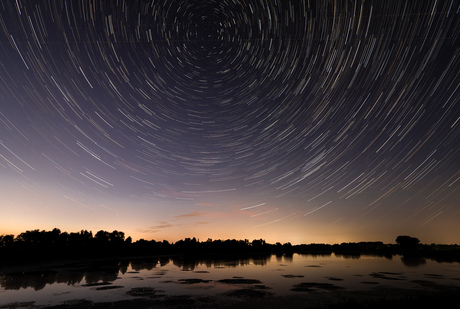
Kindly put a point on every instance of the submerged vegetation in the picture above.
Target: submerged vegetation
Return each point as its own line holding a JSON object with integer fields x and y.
{"x": 45, "y": 245}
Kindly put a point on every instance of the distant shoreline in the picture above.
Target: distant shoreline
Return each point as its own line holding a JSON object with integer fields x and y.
{"x": 56, "y": 245}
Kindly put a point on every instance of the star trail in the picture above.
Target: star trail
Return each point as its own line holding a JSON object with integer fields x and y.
{"x": 301, "y": 121}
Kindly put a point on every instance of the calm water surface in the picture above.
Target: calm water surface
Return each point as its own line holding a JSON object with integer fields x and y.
{"x": 104, "y": 281}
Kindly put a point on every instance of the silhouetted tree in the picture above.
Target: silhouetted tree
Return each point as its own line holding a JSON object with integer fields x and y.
{"x": 258, "y": 243}
{"x": 53, "y": 236}
{"x": 86, "y": 236}
{"x": 116, "y": 237}
{"x": 6, "y": 241}
{"x": 287, "y": 247}
{"x": 63, "y": 240}
{"x": 407, "y": 242}
{"x": 102, "y": 236}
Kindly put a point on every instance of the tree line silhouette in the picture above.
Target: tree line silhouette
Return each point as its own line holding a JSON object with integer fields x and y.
{"x": 45, "y": 245}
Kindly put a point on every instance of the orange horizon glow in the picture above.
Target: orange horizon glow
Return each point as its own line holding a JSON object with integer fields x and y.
{"x": 54, "y": 209}
{"x": 204, "y": 231}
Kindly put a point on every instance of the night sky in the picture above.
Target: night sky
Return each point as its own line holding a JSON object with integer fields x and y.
{"x": 293, "y": 121}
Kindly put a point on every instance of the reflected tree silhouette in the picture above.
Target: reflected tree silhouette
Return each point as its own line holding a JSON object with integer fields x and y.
{"x": 413, "y": 261}
{"x": 108, "y": 270}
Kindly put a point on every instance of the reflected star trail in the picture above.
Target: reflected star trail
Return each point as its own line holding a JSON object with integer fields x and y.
{"x": 301, "y": 121}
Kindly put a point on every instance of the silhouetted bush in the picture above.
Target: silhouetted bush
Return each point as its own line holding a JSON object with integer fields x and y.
{"x": 407, "y": 242}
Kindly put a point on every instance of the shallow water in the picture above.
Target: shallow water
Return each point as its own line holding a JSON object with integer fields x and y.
{"x": 108, "y": 281}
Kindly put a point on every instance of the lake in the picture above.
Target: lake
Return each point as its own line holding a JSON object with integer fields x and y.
{"x": 199, "y": 281}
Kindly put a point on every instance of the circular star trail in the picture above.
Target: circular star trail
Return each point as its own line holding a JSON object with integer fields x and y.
{"x": 278, "y": 110}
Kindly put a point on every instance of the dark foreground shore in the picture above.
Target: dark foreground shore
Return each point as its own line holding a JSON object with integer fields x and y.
{"x": 248, "y": 298}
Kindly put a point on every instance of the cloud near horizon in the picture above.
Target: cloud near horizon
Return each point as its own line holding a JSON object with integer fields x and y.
{"x": 166, "y": 225}
{"x": 156, "y": 228}
{"x": 192, "y": 214}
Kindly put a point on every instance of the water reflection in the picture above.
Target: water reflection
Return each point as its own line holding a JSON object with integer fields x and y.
{"x": 138, "y": 265}
{"x": 316, "y": 255}
{"x": 37, "y": 280}
{"x": 108, "y": 271}
{"x": 356, "y": 256}
{"x": 189, "y": 263}
{"x": 288, "y": 257}
{"x": 413, "y": 261}
{"x": 88, "y": 273}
